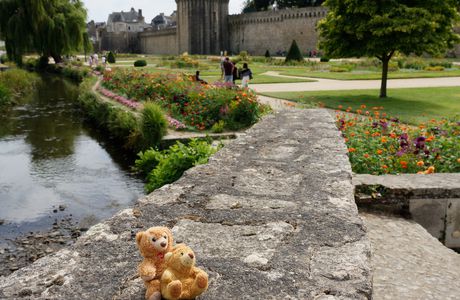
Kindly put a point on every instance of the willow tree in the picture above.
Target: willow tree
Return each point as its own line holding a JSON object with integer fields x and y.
{"x": 51, "y": 28}
{"x": 355, "y": 28}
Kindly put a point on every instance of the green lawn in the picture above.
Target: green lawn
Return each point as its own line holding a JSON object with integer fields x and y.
{"x": 412, "y": 105}
{"x": 357, "y": 75}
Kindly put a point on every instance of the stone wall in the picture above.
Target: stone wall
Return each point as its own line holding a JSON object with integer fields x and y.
{"x": 159, "y": 42}
{"x": 122, "y": 42}
{"x": 275, "y": 30}
{"x": 271, "y": 216}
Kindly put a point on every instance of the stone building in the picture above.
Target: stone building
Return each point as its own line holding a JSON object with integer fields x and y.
{"x": 161, "y": 21}
{"x": 131, "y": 21}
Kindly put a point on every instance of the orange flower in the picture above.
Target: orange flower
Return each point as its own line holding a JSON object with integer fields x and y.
{"x": 384, "y": 140}
{"x": 358, "y": 111}
{"x": 376, "y": 134}
{"x": 363, "y": 106}
{"x": 351, "y": 150}
{"x": 420, "y": 163}
{"x": 352, "y": 134}
{"x": 366, "y": 155}
{"x": 458, "y": 160}
{"x": 429, "y": 139}
{"x": 403, "y": 164}
{"x": 379, "y": 151}
{"x": 393, "y": 135}
{"x": 367, "y": 132}
{"x": 340, "y": 106}
{"x": 385, "y": 167}
{"x": 430, "y": 170}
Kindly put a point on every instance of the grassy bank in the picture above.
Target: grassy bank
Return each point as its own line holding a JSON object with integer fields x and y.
{"x": 16, "y": 84}
{"x": 412, "y": 105}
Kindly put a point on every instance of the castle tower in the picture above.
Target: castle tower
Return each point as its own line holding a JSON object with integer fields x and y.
{"x": 202, "y": 26}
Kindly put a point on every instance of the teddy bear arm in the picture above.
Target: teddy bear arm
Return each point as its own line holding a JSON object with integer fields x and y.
{"x": 147, "y": 271}
{"x": 167, "y": 277}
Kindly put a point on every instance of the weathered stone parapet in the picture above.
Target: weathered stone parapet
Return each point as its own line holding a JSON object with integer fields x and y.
{"x": 272, "y": 216}
{"x": 432, "y": 200}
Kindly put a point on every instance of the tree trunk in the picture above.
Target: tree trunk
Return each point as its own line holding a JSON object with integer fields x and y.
{"x": 383, "y": 87}
{"x": 57, "y": 58}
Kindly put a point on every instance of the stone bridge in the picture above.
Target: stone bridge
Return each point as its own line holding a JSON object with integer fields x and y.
{"x": 271, "y": 216}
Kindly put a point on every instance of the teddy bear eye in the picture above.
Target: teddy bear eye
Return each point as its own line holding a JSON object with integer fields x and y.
{"x": 165, "y": 237}
{"x": 182, "y": 253}
{"x": 154, "y": 239}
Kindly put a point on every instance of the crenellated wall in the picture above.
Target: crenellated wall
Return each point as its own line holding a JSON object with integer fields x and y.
{"x": 159, "y": 42}
{"x": 275, "y": 30}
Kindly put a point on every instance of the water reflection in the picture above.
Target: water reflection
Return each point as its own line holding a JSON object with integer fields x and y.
{"x": 48, "y": 157}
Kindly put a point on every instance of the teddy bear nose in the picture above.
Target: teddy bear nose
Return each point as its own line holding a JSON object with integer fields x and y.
{"x": 163, "y": 244}
{"x": 191, "y": 255}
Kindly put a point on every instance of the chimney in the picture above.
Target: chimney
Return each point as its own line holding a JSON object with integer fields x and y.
{"x": 140, "y": 12}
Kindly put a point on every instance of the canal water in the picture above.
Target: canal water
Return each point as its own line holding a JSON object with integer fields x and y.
{"x": 54, "y": 166}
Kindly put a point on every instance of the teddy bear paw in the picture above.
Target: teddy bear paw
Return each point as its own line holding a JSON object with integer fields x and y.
{"x": 175, "y": 288}
{"x": 155, "y": 296}
{"x": 202, "y": 281}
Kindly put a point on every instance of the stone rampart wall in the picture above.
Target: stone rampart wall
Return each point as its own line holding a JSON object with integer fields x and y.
{"x": 122, "y": 42}
{"x": 275, "y": 30}
{"x": 159, "y": 42}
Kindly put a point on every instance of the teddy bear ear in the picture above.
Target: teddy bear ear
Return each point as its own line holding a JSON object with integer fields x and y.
{"x": 139, "y": 236}
{"x": 170, "y": 236}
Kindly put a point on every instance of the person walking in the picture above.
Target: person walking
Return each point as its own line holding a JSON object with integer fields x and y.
{"x": 228, "y": 70}
{"x": 246, "y": 75}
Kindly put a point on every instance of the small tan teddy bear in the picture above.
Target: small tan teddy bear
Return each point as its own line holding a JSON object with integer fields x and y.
{"x": 181, "y": 279}
{"x": 153, "y": 244}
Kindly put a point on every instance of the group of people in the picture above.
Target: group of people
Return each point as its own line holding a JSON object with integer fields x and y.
{"x": 230, "y": 72}
{"x": 93, "y": 60}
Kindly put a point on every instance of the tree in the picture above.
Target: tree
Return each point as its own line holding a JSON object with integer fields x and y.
{"x": 294, "y": 53}
{"x": 355, "y": 28}
{"x": 48, "y": 27}
{"x": 111, "y": 57}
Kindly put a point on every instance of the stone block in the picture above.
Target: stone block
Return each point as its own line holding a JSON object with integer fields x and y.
{"x": 453, "y": 224}
{"x": 431, "y": 214}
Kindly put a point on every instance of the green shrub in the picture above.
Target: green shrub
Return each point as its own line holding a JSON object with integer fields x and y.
{"x": 294, "y": 53}
{"x": 19, "y": 82}
{"x": 42, "y": 63}
{"x": 168, "y": 165}
{"x": 434, "y": 68}
{"x": 119, "y": 123}
{"x": 140, "y": 63}
{"x": 5, "y": 96}
{"x": 4, "y": 58}
{"x": 393, "y": 66}
{"x": 339, "y": 69}
{"x": 111, "y": 58}
{"x": 244, "y": 56}
{"x": 218, "y": 127}
{"x": 153, "y": 124}
{"x": 444, "y": 64}
{"x": 267, "y": 54}
{"x": 324, "y": 59}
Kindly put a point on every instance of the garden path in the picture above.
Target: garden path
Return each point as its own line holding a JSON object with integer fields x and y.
{"x": 321, "y": 84}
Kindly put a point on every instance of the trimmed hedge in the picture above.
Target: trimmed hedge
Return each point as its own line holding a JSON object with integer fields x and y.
{"x": 294, "y": 53}
{"x": 140, "y": 63}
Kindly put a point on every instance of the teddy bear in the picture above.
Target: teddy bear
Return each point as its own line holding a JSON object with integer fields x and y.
{"x": 181, "y": 279}
{"x": 153, "y": 244}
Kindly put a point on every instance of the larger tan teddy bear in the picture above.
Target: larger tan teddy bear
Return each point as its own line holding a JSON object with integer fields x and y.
{"x": 153, "y": 245}
{"x": 181, "y": 279}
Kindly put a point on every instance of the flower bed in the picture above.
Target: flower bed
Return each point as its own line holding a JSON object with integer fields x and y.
{"x": 381, "y": 145}
{"x": 188, "y": 102}
{"x": 126, "y": 102}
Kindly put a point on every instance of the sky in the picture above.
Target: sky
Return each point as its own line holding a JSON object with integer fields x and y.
{"x": 99, "y": 10}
